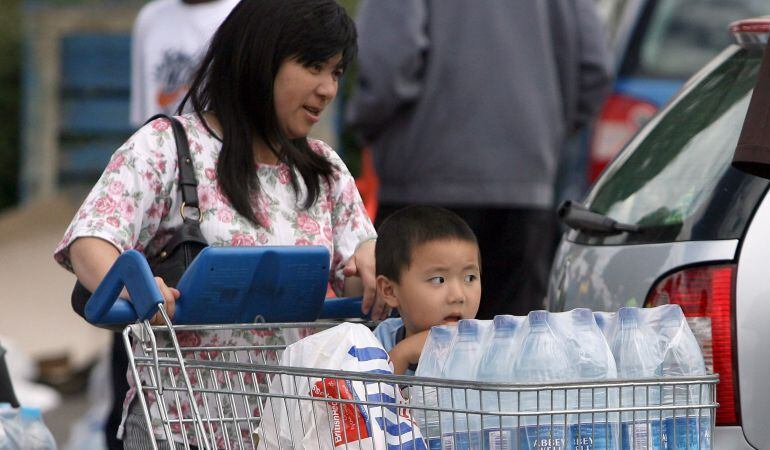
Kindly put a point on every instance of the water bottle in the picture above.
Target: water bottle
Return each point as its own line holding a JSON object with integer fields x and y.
{"x": 604, "y": 320}
{"x": 431, "y": 364}
{"x": 684, "y": 429}
{"x": 11, "y": 432}
{"x": 23, "y": 429}
{"x": 593, "y": 361}
{"x": 496, "y": 366}
{"x": 37, "y": 436}
{"x": 460, "y": 430}
{"x": 542, "y": 359}
{"x": 637, "y": 355}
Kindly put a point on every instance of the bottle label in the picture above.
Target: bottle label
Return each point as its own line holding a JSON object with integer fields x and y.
{"x": 434, "y": 443}
{"x": 641, "y": 435}
{"x": 543, "y": 437}
{"x": 496, "y": 439}
{"x": 590, "y": 436}
{"x": 684, "y": 433}
{"x": 462, "y": 440}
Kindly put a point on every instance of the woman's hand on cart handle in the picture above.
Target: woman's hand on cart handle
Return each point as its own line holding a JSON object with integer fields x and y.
{"x": 170, "y": 296}
{"x": 361, "y": 264}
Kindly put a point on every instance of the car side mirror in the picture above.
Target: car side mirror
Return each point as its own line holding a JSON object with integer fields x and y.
{"x": 752, "y": 154}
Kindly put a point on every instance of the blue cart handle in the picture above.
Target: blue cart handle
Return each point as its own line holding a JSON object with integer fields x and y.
{"x": 131, "y": 271}
{"x": 346, "y": 308}
{"x": 341, "y": 308}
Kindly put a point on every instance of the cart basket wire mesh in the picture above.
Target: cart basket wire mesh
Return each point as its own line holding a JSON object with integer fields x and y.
{"x": 237, "y": 396}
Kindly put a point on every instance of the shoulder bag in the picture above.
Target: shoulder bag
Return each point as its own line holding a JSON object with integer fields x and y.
{"x": 185, "y": 244}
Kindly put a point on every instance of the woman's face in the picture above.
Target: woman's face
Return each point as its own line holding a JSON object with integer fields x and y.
{"x": 302, "y": 92}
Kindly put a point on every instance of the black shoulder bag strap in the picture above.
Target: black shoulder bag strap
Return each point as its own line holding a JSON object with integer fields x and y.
{"x": 188, "y": 239}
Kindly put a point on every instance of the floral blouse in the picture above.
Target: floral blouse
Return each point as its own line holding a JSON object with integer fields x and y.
{"x": 135, "y": 204}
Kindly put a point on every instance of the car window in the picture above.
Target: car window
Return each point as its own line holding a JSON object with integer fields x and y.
{"x": 674, "y": 38}
{"x": 677, "y": 183}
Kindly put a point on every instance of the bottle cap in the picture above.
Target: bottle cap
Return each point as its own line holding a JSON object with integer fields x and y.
{"x": 441, "y": 332}
{"x": 505, "y": 323}
{"x": 467, "y": 327}
{"x": 583, "y": 316}
{"x": 628, "y": 316}
{"x": 538, "y": 317}
{"x": 30, "y": 413}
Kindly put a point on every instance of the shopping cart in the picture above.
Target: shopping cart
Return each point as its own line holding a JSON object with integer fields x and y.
{"x": 239, "y": 396}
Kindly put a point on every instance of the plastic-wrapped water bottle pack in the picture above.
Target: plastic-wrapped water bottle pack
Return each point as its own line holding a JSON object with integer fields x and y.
{"x": 23, "y": 429}
{"x": 581, "y": 347}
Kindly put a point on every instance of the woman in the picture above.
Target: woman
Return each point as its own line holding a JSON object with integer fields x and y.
{"x": 272, "y": 67}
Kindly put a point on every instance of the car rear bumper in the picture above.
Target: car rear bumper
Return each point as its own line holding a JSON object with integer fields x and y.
{"x": 732, "y": 438}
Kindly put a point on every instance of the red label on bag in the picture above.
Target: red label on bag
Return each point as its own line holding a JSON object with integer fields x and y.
{"x": 348, "y": 423}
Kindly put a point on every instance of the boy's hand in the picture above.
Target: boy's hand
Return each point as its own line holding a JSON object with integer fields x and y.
{"x": 407, "y": 352}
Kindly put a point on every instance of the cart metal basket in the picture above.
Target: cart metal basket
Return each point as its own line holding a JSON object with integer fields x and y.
{"x": 231, "y": 392}
{"x": 238, "y": 391}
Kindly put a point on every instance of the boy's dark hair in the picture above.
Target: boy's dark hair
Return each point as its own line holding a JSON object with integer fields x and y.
{"x": 400, "y": 233}
{"x": 235, "y": 80}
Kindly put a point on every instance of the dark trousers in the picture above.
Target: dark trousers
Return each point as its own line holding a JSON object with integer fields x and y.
{"x": 118, "y": 369}
{"x": 516, "y": 246}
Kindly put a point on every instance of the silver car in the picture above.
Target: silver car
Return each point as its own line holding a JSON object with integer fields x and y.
{"x": 671, "y": 221}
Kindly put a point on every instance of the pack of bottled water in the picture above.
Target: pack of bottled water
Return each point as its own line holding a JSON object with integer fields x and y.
{"x": 541, "y": 349}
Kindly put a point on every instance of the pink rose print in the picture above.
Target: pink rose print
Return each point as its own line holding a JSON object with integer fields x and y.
{"x": 126, "y": 207}
{"x": 154, "y": 211}
{"x": 307, "y": 224}
{"x": 67, "y": 235}
{"x": 210, "y": 173}
{"x": 225, "y": 215}
{"x": 162, "y": 165}
{"x": 349, "y": 193}
{"x": 105, "y": 205}
{"x": 189, "y": 339}
{"x": 112, "y": 220}
{"x": 241, "y": 240}
{"x": 327, "y": 205}
{"x": 205, "y": 199}
{"x": 302, "y": 241}
{"x": 263, "y": 239}
{"x": 284, "y": 175}
{"x": 263, "y": 217}
{"x": 116, "y": 162}
{"x": 160, "y": 125}
{"x": 328, "y": 233}
{"x": 262, "y": 332}
{"x": 116, "y": 188}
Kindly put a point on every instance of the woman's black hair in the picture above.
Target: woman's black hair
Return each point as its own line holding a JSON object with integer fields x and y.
{"x": 235, "y": 81}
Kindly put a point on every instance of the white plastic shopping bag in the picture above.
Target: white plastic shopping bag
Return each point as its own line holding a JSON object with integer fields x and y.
{"x": 328, "y": 424}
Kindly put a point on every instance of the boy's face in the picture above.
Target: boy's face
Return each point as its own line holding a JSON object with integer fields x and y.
{"x": 441, "y": 285}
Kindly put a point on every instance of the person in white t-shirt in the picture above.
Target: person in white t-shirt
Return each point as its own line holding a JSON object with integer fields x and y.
{"x": 167, "y": 42}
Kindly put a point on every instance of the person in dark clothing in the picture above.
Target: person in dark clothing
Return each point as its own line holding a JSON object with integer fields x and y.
{"x": 467, "y": 105}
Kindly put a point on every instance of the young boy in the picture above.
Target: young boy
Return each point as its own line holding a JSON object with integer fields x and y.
{"x": 429, "y": 268}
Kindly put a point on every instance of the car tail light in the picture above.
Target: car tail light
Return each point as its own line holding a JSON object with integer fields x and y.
{"x": 618, "y": 121}
{"x": 751, "y": 32}
{"x": 705, "y": 294}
